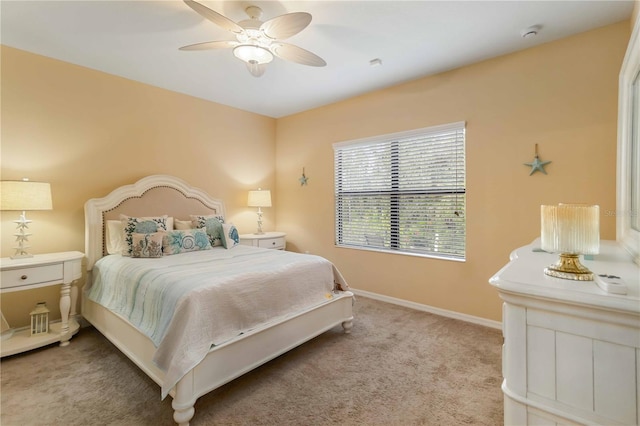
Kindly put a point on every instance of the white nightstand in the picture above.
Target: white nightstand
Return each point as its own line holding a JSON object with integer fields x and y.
{"x": 270, "y": 240}
{"x": 42, "y": 270}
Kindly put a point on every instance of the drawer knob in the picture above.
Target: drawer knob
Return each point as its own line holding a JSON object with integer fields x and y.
{"x": 24, "y": 277}
{"x": 273, "y": 243}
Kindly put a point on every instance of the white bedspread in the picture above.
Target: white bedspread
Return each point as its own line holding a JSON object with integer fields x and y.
{"x": 187, "y": 302}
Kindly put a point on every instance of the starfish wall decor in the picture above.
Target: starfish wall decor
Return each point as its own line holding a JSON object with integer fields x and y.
{"x": 537, "y": 165}
{"x": 303, "y": 179}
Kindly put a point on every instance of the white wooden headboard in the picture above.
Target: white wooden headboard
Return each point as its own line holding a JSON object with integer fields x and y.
{"x": 150, "y": 196}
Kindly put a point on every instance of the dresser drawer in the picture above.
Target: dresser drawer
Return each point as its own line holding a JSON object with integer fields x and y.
{"x": 272, "y": 243}
{"x": 28, "y": 276}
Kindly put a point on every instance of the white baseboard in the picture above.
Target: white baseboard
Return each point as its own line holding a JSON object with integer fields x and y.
{"x": 431, "y": 309}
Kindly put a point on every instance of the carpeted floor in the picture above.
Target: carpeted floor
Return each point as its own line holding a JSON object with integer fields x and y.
{"x": 398, "y": 367}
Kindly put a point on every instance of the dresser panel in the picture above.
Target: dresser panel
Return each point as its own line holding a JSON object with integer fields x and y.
{"x": 541, "y": 418}
{"x": 514, "y": 362}
{"x": 574, "y": 367}
{"x": 541, "y": 361}
{"x": 614, "y": 385}
{"x": 582, "y": 324}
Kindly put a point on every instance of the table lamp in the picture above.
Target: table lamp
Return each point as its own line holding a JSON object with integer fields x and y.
{"x": 570, "y": 230}
{"x": 23, "y": 195}
{"x": 259, "y": 199}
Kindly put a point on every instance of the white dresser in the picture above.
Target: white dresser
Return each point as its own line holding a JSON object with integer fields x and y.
{"x": 571, "y": 353}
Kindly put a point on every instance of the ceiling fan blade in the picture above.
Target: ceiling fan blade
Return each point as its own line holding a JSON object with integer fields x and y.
{"x": 214, "y": 17}
{"x": 285, "y": 26}
{"x": 256, "y": 70}
{"x": 208, "y": 45}
{"x": 297, "y": 54}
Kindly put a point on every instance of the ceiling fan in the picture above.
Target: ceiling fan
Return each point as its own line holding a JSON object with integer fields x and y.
{"x": 258, "y": 42}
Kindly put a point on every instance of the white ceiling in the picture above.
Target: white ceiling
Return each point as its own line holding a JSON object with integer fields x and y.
{"x": 139, "y": 40}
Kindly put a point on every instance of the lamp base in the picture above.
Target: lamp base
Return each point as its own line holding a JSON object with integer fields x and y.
{"x": 21, "y": 256}
{"x": 568, "y": 267}
{"x": 259, "y": 231}
{"x": 22, "y": 237}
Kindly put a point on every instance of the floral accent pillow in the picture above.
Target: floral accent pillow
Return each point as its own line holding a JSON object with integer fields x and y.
{"x": 213, "y": 225}
{"x": 147, "y": 245}
{"x": 184, "y": 241}
{"x": 140, "y": 225}
{"x": 230, "y": 236}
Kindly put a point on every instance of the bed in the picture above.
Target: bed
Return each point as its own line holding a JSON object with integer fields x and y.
{"x": 214, "y": 357}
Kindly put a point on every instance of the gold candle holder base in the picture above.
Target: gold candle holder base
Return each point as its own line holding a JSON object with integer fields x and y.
{"x": 568, "y": 267}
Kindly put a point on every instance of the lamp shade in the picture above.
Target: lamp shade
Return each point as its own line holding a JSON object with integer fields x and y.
{"x": 570, "y": 228}
{"x": 259, "y": 198}
{"x": 25, "y": 195}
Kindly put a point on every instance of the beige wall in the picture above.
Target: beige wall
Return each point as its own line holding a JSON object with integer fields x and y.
{"x": 561, "y": 96}
{"x": 87, "y": 133}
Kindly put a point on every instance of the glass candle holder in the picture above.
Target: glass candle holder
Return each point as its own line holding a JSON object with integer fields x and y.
{"x": 570, "y": 230}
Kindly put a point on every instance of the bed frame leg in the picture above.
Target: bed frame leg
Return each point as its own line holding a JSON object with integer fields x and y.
{"x": 347, "y": 325}
{"x": 183, "y": 401}
{"x": 182, "y": 415}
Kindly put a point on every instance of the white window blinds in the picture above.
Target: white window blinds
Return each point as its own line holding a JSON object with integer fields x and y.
{"x": 403, "y": 193}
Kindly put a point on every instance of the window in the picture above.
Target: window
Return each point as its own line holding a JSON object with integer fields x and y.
{"x": 403, "y": 193}
{"x": 628, "y": 183}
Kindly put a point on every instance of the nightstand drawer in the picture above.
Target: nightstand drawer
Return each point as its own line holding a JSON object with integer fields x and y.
{"x": 28, "y": 276}
{"x": 268, "y": 240}
{"x": 272, "y": 243}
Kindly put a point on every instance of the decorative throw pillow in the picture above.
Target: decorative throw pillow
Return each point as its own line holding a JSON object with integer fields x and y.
{"x": 230, "y": 236}
{"x": 182, "y": 224}
{"x": 147, "y": 245}
{"x": 213, "y": 225}
{"x": 140, "y": 225}
{"x": 183, "y": 241}
{"x": 114, "y": 236}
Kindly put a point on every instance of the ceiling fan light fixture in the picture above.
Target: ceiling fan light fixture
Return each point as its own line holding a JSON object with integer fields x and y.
{"x": 255, "y": 69}
{"x": 259, "y": 42}
{"x": 252, "y": 54}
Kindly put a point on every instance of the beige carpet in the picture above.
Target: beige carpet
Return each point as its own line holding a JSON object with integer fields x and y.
{"x": 398, "y": 367}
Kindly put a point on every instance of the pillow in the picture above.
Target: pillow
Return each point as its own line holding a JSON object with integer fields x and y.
{"x": 230, "y": 237}
{"x": 140, "y": 225}
{"x": 183, "y": 241}
{"x": 114, "y": 237}
{"x": 213, "y": 225}
{"x": 182, "y": 224}
{"x": 146, "y": 245}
